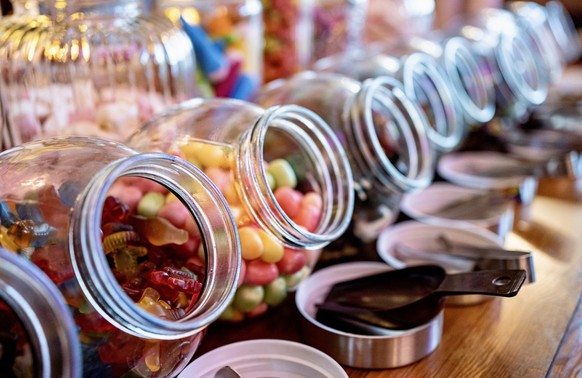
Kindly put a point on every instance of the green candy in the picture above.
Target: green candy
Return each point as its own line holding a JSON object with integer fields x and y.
{"x": 247, "y": 297}
{"x": 283, "y": 173}
{"x": 150, "y": 204}
{"x": 275, "y": 291}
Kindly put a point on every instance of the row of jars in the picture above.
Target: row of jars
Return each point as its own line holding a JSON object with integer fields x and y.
{"x": 81, "y": 68}
{"x": 212, "y": 209}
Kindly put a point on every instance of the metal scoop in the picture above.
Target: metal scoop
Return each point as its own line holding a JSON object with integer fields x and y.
{"x": 407, "y": 298}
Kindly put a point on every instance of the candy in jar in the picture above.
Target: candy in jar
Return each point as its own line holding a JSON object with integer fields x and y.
{"x": 119, "y": 233}
{"x": 227, "y": 36}
{"x": 384, "y": 135}
{"x": 284, "y": 175}
{"x": 90, "y": 68}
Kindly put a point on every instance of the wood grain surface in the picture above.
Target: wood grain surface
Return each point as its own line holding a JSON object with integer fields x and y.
{"x": 538, "y": 333}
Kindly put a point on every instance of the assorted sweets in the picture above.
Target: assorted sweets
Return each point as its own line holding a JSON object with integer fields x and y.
{"x": 284, "y": 176}
{"x": 16, "y": 355}
{"x": 97, "y": 223}
{"x": 91, "y": 69}
{"x": 227, "y": 37}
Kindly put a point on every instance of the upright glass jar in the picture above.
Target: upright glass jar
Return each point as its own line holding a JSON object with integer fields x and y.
{"x": 383, "y": 133}
{"x": 37, "y": 331}
{"x": 227, "y": 36}
{"x": 288, "y": 37}
{"x": 472, "y": 83}
{"x": 285, "y": 176}
{"x": 502, "y": 45}
{"x": 338, "y": 26}
{"x": 119, "y": 232}
{"x": 424, "y": 83}
{"x": 92, "y": 69}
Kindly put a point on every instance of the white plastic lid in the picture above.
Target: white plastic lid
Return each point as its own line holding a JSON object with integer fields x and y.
{"x": 262, "y": 358}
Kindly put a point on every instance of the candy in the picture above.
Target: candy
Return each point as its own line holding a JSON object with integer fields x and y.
{"x": 272, "y": 248}
{"x": 275, "y": 291}
{"x": 308, "y": 217}
{"x": 289, "y": 200}
{"x": 291, "y": 262}
{"x": 150, "y": 204}
{"x": 159, "y": 231}
{"x": 261, "y": 273}
{"x": 247, "y": 297}
{"x": 283, "y": 173}
{"x": 250, "y": 243}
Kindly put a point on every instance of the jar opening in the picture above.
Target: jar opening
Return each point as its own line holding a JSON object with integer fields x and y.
{"x": 564, "y": 30}
{"x": 391, "y": 134}
{"x": 472, "y": 81}
{"x": 517, "y": 65}
{"x": 428, "y": 86}
{"x": 290, "y": 147}
{"x": 157, "y": 295}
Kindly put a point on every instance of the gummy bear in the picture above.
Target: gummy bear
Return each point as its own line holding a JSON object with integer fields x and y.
{"x": 114, "y": 211}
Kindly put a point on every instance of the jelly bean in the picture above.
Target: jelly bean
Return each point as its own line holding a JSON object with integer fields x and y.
{"x": 292, "y": 280}
{"x": 230, "y": 194}
{"x": 289, "y": 200}
{"x": 272, "y": 248}
{"x": 312, "y": 199}
{"x": 275, "y": 291}
{"x": 260, "y": 273}
{"x": 250, "y": 243}
{"x": 270, "y": 181}
{"x": 150, "y": 204}
{"x": 247, "y": 297}
{"x": 151, "y": 355}
{"x": 240, "y": 216}
{"x": 259, "y": 310}
{"x": 159, "y": 231}
{"x": 282, "y": 173}
{"x": 175, "y": 212}
{"x": 292, "y": 261}
{"x": 308, "y": 217}
{"x": 219, "y": 177}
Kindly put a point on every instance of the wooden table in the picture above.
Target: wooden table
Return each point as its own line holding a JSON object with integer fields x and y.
{"x": 538, "y": 333}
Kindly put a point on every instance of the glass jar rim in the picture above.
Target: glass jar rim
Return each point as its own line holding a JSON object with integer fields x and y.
{"x": 564, "y": 30}
{"x": 317, "y": 139}
{"x": 219, "y": 235}
{"x": 448, "y": 130}
{"x": 457, "y": 52}
{"x": 44, "y": 314}
{"x": 390, "y": 94}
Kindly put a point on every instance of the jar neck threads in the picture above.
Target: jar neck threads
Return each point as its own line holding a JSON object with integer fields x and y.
{"x": 331, "y": 174}
{"x": 217, "y": 228}
{"x": 393, "y": 153}
{"x": 473, "y": 89}
{"x": 44, "y": 315}
{"x": 426, "y": 83}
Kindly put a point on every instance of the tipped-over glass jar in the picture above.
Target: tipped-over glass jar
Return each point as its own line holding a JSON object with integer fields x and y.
{"x": 471, "y": 82}
{"x": 424, "y": 82}
{"x": 533, "y": 20}
{"x": 285, "y": 176}
{"x": 91, "y": 68}
{"x": 382, "y": 131}
{"x": 119, "y": 233}
{"x": 564, "y": 31}
{"x": 37, "y": 332}
{"x": 517, "y": 69}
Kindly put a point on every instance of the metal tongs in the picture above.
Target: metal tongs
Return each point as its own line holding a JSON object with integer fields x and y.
{"x": 460, "y": 256}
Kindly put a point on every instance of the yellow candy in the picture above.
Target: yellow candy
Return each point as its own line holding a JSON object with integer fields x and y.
{"x": 250, "y": 243}
{"x": 272, "y": 249}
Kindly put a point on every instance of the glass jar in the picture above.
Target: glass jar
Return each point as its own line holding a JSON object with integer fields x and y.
{"x": 338, "y": 26}
{"x": 288, "y": 37}
{"x": 502, "y": 45}
{"x": 383, "y": 133}
{"x": 37, "y": 331}
{"x": 533, "y": 20}
{"x": 285, "y": 176}
{"x": 472, "y": 83}
{"x": 227, "y": 36}
{"x": 91, "y": 69}
{"x": 424, "y": 83}
{"x": 119, "y": 233}
{"x": 564, "y": 31}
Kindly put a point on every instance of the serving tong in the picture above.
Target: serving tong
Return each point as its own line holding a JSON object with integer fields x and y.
{"x": 460, "y": 256}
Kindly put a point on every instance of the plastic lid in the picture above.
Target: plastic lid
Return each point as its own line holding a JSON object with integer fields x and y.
{"x": 266, "y": 358}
